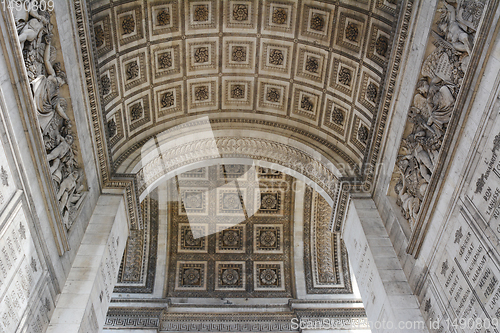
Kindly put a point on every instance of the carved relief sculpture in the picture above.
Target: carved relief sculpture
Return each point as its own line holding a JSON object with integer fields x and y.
{"x": 442, "y": 74}
{"x": 47, "y": 77}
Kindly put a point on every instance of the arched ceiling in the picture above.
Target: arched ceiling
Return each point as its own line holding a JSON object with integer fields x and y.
{"x": 312, "y": 70}
{"x": 231, "y": 235}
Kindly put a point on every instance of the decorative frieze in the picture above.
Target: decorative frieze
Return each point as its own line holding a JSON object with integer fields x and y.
{"x": 442, "y": 74}
{"x": 52, "y": 110}
{"x": 138, "y": 266}
{"x": 325, "y": 257}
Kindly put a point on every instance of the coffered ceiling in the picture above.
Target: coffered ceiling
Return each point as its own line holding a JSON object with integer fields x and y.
{"x": 311, "y": 70}
{"x": 229, "y": 232}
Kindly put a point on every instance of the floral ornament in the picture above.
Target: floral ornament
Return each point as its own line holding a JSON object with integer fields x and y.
{"x": 111, "y": 128}
{"x": 273, "y": 95}
{"x": 372, "y": 92}
{"x": 363, "y": 134}
{"x": 201, "y": 93}
{"x": 337, "y": 116}
{"x": 280, "y": 15}
{"x": 268, "y": 238}
{"x": 136, "y": 111}
{"x": 165, "y": 60}
{"x": 306, "y": 104}
{"x": 268, "y": 201}
{"x": 132, "y": 70}
{"x": 345, "y": 76}
{"x": 268, "y": 276}
{"x": 317, "y": 22}
{"x": 99, "y": 36}
{"x": 276, "y": 57}
{"x": 238, "y": 91}
{"x": 381, "y": 45}
{"x": 105, "y": 85}
{"x": 201, "y": 13}
{"x": 163, "y": 18}
{"x": 191, "y": 276}
{"x": 193, "y": 200}
{"x": 312, "y": 64}
{"x": 167, "y": 99}
{"x": 201, "y": 55}
{"x": 230, "y": 238}
{"x": 239, "y": 54}
{"x": 240, "y": 12}
{"x": 190, "y": 240}
{"x": 352, "y": 32}
{"x": 128, "y": 24}
{"x": 231, "y": 201}
{"x": 230, "y": 276}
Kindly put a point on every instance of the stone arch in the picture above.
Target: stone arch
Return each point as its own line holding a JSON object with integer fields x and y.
{"x": 164, "y": 156}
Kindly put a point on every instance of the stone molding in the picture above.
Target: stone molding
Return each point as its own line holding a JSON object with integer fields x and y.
{"x": 210, "y": 322}
{"x": 323, "y": 251}
{"x": 257, "y": 149}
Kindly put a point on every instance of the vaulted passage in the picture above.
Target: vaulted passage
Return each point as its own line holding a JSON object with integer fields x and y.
{"x": 310, "y": 70}
{"x": 249, "y": 166}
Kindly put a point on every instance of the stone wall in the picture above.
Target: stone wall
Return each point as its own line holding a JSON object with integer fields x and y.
{"x": 37, "y": 250}
{"x": 452, "y": 263}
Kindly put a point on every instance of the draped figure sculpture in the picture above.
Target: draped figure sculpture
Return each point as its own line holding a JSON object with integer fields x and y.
{"x": 50, "y": 109}
{"x": 432, "y": 108}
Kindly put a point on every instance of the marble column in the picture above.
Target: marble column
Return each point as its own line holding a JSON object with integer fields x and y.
{"x": 387, "y": 296}
{"x": 84, "y": 301}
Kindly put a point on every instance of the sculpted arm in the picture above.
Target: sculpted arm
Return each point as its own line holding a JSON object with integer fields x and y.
{"x": 46, "y": 60}
{"x": 451, "y": 10}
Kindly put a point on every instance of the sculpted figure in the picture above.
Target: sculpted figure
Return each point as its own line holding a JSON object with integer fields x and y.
{"x": 62, "y": 149}
{"x": 442, "y": 100}
{"x": 65, "y": 195}
{"x": 46, "y": 78}
{"x": 28, "y": 29}
{"x": 410, "y": 206}
{"x": 56, "y": 170}
{"x": 67, "y": 185}
{"x": 454, "y": 33}
{"x": 21, "y": 16}
{"x": 416, "y": 150}
{"x": 46, "y": 93}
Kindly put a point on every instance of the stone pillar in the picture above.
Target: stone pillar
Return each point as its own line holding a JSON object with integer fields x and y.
{"x": 387, "y": 296}
{"x": 84, "y": 301}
